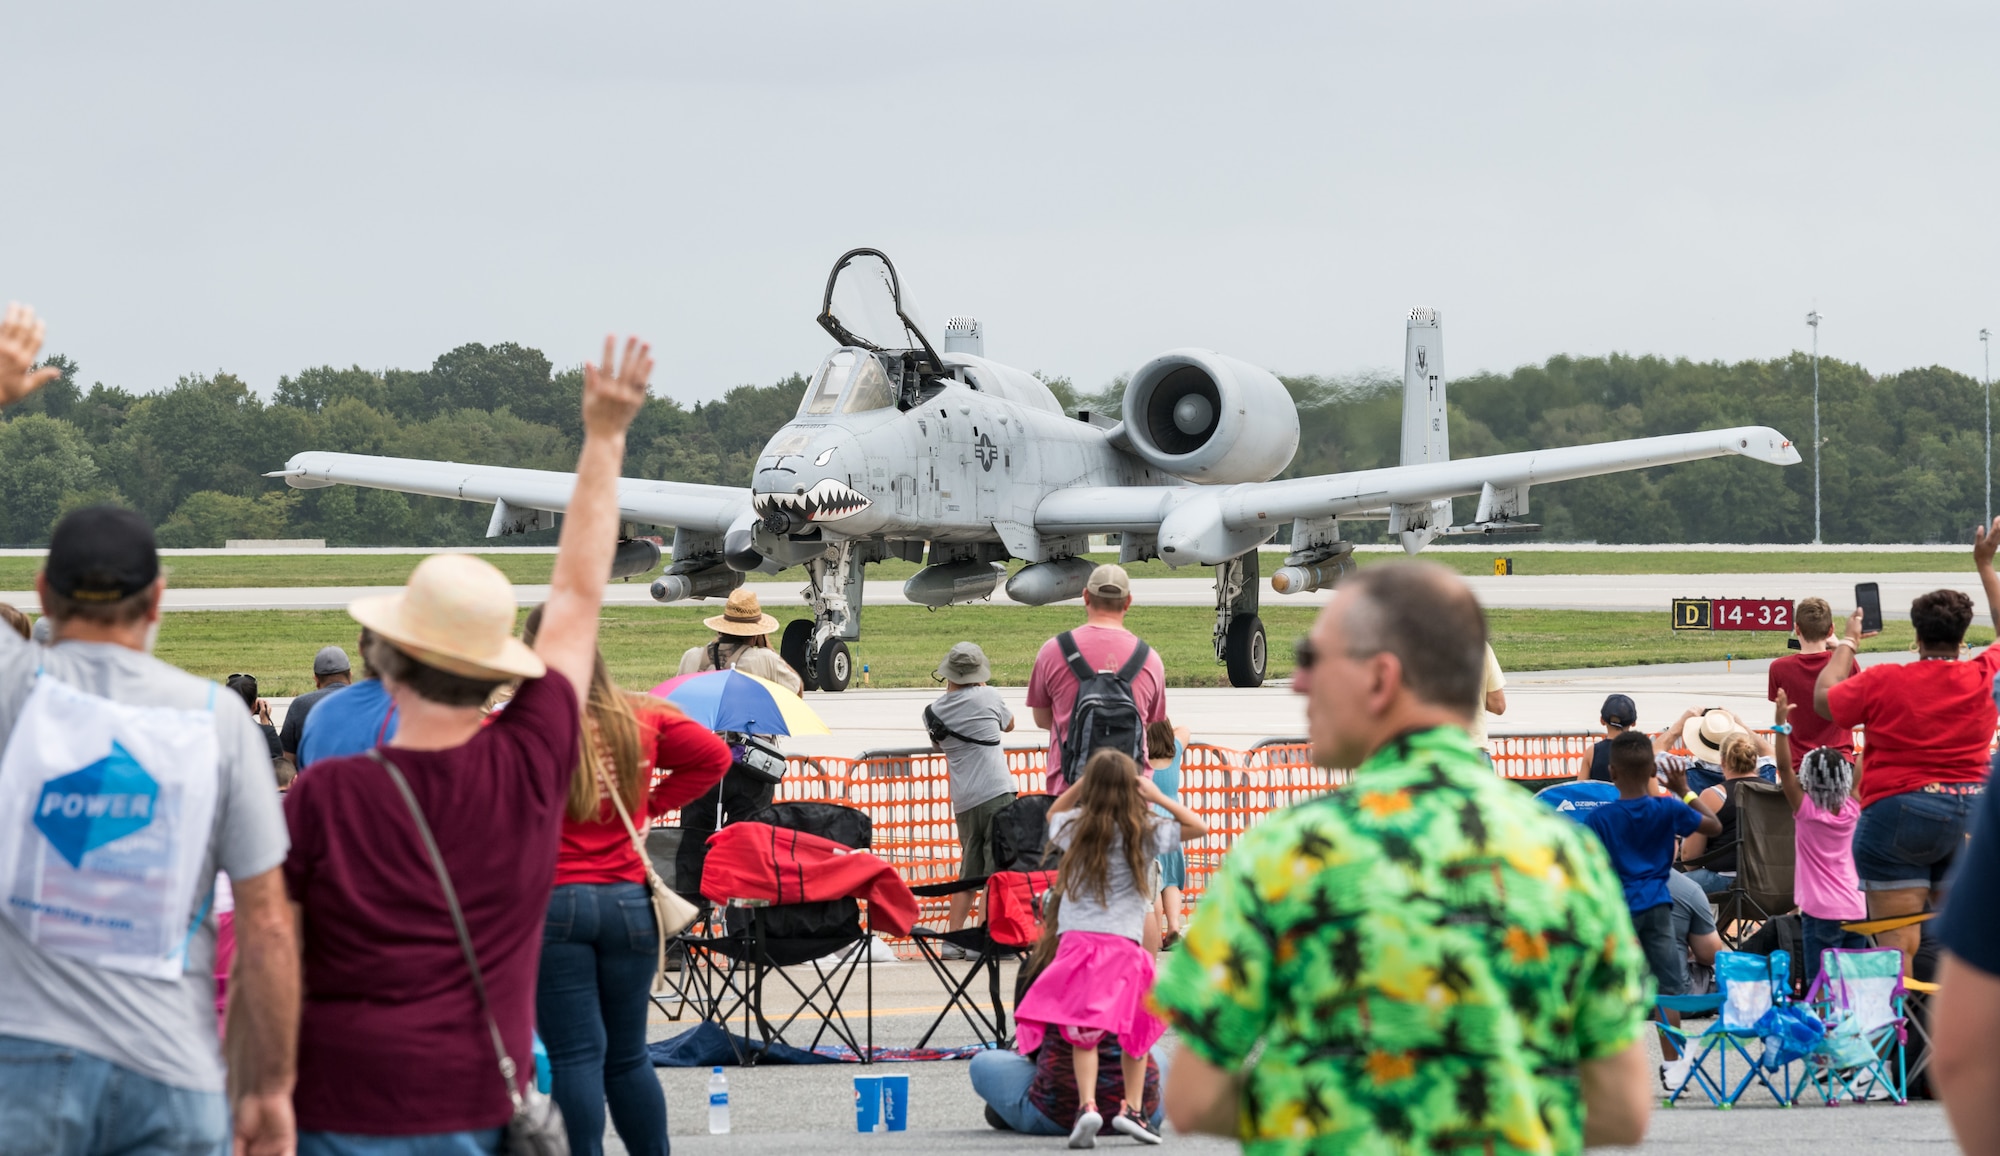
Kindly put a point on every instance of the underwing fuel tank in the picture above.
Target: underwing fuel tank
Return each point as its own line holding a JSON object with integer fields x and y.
{"x": 634, "y": 557}
{"x": 965, "y": 581}
{"x": 1047, "y": 582}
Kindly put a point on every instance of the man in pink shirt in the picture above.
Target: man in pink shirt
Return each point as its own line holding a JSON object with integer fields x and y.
{"x": 1105, "y": 644}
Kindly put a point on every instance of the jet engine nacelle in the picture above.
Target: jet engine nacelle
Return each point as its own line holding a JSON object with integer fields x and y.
{"x": 1209, "y": 418}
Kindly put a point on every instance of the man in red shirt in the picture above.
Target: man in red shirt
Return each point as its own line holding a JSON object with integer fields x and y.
{"x": 1930, "y": 734}
{"x": 1797, "y": 674}
{"x": 1105, "y": 644}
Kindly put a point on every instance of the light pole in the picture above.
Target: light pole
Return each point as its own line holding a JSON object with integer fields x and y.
{"x": 1986, "y": 354}
{"x": 1812, "y": 319}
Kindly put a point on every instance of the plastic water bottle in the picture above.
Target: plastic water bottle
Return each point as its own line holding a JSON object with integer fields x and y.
{"x": 718, "y": 1103}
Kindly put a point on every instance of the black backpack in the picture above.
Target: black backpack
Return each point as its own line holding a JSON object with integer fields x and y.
{"x": 1105, "y": 714}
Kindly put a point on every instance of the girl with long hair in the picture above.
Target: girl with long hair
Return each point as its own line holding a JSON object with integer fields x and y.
{"x": 1098, "y": 981}
{"x": 598, "y": 943}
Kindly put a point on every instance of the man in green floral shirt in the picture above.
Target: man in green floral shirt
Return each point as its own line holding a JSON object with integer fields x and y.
{"x": 1429, "y": 960}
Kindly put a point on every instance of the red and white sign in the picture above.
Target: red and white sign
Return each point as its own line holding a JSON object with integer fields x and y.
{"x": 1752, "y": 614}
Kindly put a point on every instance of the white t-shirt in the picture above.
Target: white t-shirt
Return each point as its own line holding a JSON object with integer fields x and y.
{"x": 164, "y": 1030}
{"x": 1123, "y": 909}
{"x": 1496, "y": 679}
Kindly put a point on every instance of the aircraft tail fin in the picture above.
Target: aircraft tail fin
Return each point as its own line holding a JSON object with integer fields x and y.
{"x": 1426, "y": 431}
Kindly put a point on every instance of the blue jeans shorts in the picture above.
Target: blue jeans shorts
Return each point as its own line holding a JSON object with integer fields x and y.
{"x": 1912, "y": 839}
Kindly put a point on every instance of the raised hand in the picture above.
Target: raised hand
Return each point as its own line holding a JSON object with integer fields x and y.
{"x": 21, "y": 339}
{"x": 1854, "y": 626}
{"x": 1985, "y": 541}
{"x": 612, "y": 397}
{"x": 1677, "y": 780}
{"x": 1784, "y": 709}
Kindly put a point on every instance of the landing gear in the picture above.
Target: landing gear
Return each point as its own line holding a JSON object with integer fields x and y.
{"x": 833, "y": 590}
{"x": 795, "y": 647}
{"x": 1246, "y": 651}
{"x": 832, "y": 668}
{"x": 1239, "y": 633}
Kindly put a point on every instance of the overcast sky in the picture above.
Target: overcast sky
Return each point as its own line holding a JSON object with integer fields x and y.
{"x": 265, "y": 187}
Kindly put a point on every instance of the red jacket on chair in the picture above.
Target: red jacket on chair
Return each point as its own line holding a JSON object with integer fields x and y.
{"x": 759, "y": 861}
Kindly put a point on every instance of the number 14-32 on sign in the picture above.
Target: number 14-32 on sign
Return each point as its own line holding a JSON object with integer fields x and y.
{"x": 1732, "y": 614}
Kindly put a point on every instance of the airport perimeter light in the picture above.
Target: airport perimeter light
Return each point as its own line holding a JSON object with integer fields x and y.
{"x": 1986, "y": 354}
{"x": 1812, "y": 319}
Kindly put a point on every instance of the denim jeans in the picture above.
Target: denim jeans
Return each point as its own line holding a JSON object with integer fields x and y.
{"x": 1820, "y": 934}
{"x": 1001, "y": 1078}
{"x": 482, "y": 1143}
{"x": 1912, "y": 839}
{"x": 599, "y": 952}
{"x": 58, "y": 1101}
{"x": 1710, "y": 882}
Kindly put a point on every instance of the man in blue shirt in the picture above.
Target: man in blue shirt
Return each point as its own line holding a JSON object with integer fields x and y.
{"x": 355, "y": 720}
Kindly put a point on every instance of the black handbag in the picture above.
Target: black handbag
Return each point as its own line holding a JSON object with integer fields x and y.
{"x": 536, "y": 1127}
{"x": 758, "y": 760}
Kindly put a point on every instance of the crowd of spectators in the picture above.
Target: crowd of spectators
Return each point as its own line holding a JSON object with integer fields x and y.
{"x": 459, "y": 863}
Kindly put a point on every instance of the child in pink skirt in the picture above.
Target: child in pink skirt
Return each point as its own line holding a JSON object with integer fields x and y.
{"x": 1098, "y": 982}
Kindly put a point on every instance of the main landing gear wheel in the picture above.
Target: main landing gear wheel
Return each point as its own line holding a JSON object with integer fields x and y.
{"x": 795, "y": 647}
{"x": 1246, "y": 651}
{"x": 832, "y": 667}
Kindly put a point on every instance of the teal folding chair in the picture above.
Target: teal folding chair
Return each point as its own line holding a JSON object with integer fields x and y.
{"x": 1859, "y": 995}
{"x": 1750, "y": 988}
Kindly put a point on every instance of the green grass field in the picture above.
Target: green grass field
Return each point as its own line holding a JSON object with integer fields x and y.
{"x": 902, "y": 644}
{"x": 314, "y": 569}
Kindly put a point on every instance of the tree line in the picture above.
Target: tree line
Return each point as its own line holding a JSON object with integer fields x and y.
{"x": 1904, "y": 455}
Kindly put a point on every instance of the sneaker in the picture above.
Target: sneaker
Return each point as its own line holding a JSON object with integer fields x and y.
{"x": 951, "y": 951}
{"x": 1132, "y": 1124}
{"x": 1088, "y": 1124}
{"x": 1674, "y": 1073}
{"x": 1170, "y": 940}
{"x": 996, "y": 1120}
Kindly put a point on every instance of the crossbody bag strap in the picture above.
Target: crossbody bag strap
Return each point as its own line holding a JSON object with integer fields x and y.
{"x": 609, "y": 785}
{"x": 931, "y": 718}
{"x": 507, "y": 1068}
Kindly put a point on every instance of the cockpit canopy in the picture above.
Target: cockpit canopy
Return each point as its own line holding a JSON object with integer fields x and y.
{"x": 864, "y": 305}
{"x": 849, "y": 381}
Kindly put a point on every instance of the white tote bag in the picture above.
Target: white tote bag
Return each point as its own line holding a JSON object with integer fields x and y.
{"x": 105, "y": 815}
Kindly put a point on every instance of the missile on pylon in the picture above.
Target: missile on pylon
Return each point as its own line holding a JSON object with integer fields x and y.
{"x": 1046, "y": 582}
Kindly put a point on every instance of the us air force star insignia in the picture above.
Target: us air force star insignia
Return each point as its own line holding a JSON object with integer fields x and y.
{"x": 986, "y": 452}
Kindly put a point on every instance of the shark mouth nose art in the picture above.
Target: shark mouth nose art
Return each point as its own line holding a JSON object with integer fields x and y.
{"x": 827, "y": 501}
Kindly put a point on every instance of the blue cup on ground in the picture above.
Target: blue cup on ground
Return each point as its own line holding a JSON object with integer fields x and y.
{"x": 868, "y": 1103}
{"x": 896, "y": 1102}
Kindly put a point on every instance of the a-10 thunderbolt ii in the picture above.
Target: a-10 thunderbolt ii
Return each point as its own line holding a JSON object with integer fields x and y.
{"x": 902, "y": 446}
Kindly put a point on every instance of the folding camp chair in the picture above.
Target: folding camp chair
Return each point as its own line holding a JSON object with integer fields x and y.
{"x": 1750, "y": 986}
{"x": 757, "y": 939}
{"x": 1010, "y": 917}
{"x": 1859, "y": 994}
{"x": 1766, "y": 861}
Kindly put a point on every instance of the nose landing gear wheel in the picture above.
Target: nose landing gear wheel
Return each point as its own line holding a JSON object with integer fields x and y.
{"x": 832, "y": 667}
{"x": 1247, "y": 655}
{"x": 795, "y": 647}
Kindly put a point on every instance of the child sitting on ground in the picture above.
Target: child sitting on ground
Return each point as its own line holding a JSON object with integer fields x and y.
{"x": 1100, "y": 977}
{"x": 1639, "y": 831}
{"x": 1825, "y": 797}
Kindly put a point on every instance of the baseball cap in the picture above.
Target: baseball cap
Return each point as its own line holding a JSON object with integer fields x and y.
{"x": 1110, "y": 581}
{"x": 965, "y": 663}
{"x": 102, "y": 554}
{"x": 1619, "y": 710}
{"x": 330, "y": 660}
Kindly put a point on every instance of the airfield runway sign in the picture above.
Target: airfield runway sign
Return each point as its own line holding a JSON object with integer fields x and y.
{"x": 1732, "y": 614}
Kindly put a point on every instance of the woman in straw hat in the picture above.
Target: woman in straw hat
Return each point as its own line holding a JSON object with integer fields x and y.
{"x": 600, "y": 943}
{"x": 743, "y": 641}
{"x": 396, "y": 1041}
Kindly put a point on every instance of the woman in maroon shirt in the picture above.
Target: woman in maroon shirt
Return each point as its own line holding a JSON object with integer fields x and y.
{"x": 598, "y": 944}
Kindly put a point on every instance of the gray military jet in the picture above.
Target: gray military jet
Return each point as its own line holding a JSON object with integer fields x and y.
{"x": 901, "y": 446}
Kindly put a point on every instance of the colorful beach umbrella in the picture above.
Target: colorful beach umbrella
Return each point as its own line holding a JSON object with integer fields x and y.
{"x": 730, "y": 700}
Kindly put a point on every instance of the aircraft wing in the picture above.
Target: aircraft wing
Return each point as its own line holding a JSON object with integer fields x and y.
{"x": 1209, "y": 524}
{"x": 516, "y": 492}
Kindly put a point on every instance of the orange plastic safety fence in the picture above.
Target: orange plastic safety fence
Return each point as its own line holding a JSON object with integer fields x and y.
{"x": 907, "y": 795}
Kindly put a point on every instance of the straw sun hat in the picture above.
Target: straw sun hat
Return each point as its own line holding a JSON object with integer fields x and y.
{"x": 457, "y": 614}
{"x": 742, "y": 616}
{"x": 1704, "y": 735}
